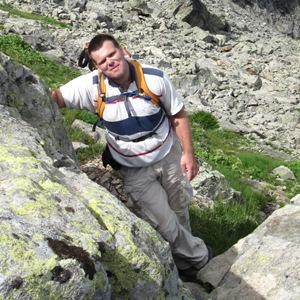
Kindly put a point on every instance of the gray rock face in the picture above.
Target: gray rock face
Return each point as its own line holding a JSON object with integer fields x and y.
{"x": 63, "y": 236}
{"x": 24, "y": 95}
{"x": 282, "y": 14}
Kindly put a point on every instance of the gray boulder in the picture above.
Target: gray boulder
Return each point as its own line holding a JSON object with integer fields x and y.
{"x": 263, "y": 265}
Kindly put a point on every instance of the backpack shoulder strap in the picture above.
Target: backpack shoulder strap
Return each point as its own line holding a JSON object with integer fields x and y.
{"x": 101, "y": 95}
{"x": 141, "y": 83}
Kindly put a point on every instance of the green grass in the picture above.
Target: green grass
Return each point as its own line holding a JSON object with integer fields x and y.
{"x": 222, "y": 226}
{"x": 53, "y": 73}
{"x": 71, "y": 115}
{"x": 32, "y": 16}
{"x": 84, "y": 154}
{"x": 231, "y": 154}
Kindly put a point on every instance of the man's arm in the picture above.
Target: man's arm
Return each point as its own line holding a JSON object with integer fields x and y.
{"x": 57, "y": 97}
{"x": 181, "y": 125}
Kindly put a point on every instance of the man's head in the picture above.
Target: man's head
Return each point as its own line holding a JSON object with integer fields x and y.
{"x": 108, "y": 56}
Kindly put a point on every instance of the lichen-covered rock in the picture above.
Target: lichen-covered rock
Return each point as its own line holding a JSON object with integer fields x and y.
{"x": 62, "y": 236}
{"x": 24, "y": 94}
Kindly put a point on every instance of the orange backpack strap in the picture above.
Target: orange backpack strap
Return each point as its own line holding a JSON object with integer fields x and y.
{"x": 101, "y": 94}
{"x": 141, "y": 83}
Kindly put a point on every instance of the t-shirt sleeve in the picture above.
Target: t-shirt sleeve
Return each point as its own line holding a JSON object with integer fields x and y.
{"x": 160, "y": 84}
{"x": 171, "y": 99}
{"x": 81, "y": 92}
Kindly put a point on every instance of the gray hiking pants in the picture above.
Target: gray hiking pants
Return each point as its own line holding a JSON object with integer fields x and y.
{"x": 161, "y": 195}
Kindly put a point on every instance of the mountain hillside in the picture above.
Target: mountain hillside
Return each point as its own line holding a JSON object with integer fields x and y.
{"x": 59, "y": 239}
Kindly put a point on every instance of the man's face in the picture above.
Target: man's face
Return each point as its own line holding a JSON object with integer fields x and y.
{"x": 110, "y": 60}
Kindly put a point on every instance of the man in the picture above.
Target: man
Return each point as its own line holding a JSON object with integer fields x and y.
{"x": 152, "y": 143}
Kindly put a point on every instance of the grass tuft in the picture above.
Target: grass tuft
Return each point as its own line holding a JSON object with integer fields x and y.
{"x": 32, "y": 16}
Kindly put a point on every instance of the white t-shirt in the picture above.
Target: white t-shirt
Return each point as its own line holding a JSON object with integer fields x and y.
{"x": 130, "y": 117}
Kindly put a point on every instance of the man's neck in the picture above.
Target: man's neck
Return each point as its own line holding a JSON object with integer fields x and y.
{"x": 125, "y": 81}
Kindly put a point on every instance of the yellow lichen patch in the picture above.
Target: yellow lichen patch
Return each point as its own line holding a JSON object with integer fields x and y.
{"x": 126, "y": 253}
{"x": 86, "y": 242}
{"x": 77, "y": 286}
{"x": 18, "y": 255}
{"x": 98, "y": 283}
{"x": 41, "y": 207}
{"x": 27, "y": 199}
{"x": 22, "y": 186}
{"x": 106, "y": 215}
{"x": 19, "y": 159}
{"x": 53, "y": 187}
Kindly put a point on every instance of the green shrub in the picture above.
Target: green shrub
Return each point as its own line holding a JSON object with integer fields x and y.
{"x": 204, "y": 119}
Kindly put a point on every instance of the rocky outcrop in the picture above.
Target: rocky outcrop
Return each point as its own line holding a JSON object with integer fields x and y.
{"x": 282, "y": 14}
{"x": 264, "y": 265}
{"x": 62, "y": 236}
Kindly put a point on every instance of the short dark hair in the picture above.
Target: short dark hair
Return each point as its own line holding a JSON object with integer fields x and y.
{"x": 97, "y": 42}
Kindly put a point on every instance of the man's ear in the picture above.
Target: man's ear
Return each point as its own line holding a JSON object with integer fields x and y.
{"x": 125, "y": 51}
{"x": 92, "y": 65}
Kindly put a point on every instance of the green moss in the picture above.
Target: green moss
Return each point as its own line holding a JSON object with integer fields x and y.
{"x": 123, "y": 278}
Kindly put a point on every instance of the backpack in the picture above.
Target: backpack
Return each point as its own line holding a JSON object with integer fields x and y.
{"x": 143, "y": 89}
{"x": 84, "y": 59}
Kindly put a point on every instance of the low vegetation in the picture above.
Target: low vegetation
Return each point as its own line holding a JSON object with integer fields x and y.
{"x": 226, "y": 151}
{"x": 230, "y": 153}
{"x": 32, "y": 16}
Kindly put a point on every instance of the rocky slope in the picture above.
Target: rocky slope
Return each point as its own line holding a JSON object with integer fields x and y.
{"x": 236, "y": 59}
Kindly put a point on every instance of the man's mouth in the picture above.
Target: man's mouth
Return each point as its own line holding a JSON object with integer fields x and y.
{"x": 115, "y": 68}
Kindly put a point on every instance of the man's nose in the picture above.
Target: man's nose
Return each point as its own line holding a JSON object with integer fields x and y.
{"x": 110, "y": 61}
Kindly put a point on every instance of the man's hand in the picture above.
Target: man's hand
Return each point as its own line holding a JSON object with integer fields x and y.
{"x": 181, "y": 125}
{"x": 57, "y": 97}
{"x": 189, "y": 166}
